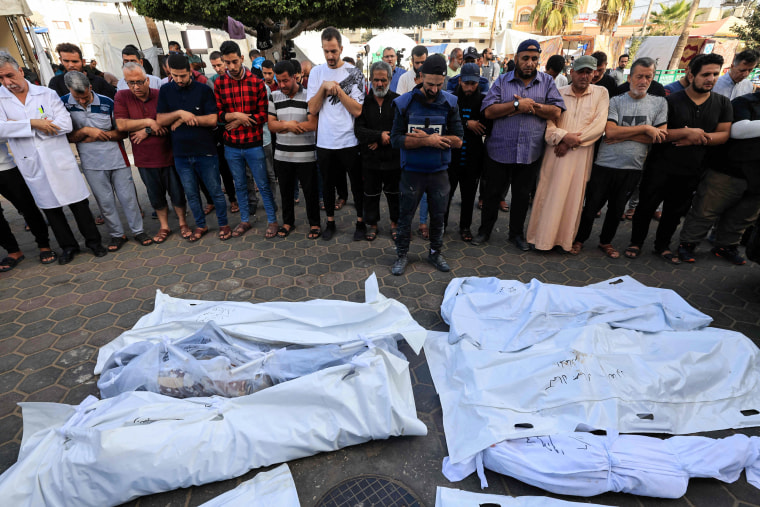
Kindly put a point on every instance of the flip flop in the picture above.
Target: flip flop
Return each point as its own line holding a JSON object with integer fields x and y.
{"x": 283, "y": 232}
{"x": 340, "y": 204}
{"x": 669, "y": 257}
{"x": 371, "y": 234}
{"x": 394, "y": 233}
{"x": 272, "y": 230}
{"x": 143, "y": 239}
{"x": 48, "y": 256}
{"x": 632, "y": 252}
{"x": 161, "y": 236}
{"x": 116, "y": 243}
{"x": 315, "y": 232}
{"x": 9, "y": 263}
{"x": 198, "y": 233}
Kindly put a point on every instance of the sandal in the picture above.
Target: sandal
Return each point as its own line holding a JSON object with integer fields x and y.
{"x": 315, "y": 232}
{"x": 116, "y": 243}
{"x": 234, "y": 208}
{"x": 48, "y": 256}
{"x": 143, "y": 239}
{"x": 99, "y": 220}
{"x": 503, "y": 206}
{"x": 185, "y": 231}
{"x": 609, "y": 251}
{"x": 480, "y": 204}
{"x": 9, "y": 263}
{"x": 198, "y": 233}
{"x": 283, "y": 232}
{"x": 424, "y": 231}
{"x": 371, "y": 233}
{"x": 340, "y": 204}
{"x": 322, "y": 205}
{"x": 576, "y": 248}
{"x": 633, "y": 251}
{"x": 629, "y": 213}
{"x": 241, "y": 229}
{"x": 394, "y": 233}
{"x": 225, "y": 232}
{"x": 466, "y": 234}
{"x": 272, "y": 230}
{"x": 669, "y": 257}
{"x": 208, "y": 209}
{"x": 161, "y": 236}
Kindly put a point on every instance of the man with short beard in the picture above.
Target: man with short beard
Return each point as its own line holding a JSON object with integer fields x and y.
{"x": 455, "y": 62}
{"x": 697, "y": 120}
{"x": 380, "y": 162}
{"x": 519, "y": 103}
{"x": 406, "y": 83}
{"x": 489, "y": 69}
{"x": 389, "y": 57}
{"x": 71, "y": 59}
{"x": 636, "y": 120}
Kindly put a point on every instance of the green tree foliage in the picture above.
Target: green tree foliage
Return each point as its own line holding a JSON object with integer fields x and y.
{"x": 610, "y": 11}
{"x": 669, "y": 20}
{"x": 553, "y": 17}
{"x": 750, "y": 33}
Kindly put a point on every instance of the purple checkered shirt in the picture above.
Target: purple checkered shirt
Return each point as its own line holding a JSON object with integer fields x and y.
{"x": 519, "y": 139}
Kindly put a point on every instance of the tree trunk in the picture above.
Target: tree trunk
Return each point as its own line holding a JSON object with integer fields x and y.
{"x": 155, "y": 38}
{"x": 678, "y": 52}
{"x": 493, "y": 24}
{"x": 646, "y": 18}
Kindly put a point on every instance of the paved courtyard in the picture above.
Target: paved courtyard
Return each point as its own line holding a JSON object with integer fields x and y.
{"x": 54, "y": 319}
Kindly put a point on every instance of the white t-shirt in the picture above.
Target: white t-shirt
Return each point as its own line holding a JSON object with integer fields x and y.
{"x": 336, "y": 125}
{"x": 406, "y": 83}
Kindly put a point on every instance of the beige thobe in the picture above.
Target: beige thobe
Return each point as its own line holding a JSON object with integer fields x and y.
{"x": 558, "y": 202}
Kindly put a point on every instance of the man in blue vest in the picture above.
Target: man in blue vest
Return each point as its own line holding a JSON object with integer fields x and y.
{"x": 426, "y": 126}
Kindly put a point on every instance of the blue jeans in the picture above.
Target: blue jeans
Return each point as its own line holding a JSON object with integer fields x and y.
{"x": 236, "y": 159}
{"x": 205, "y": 168}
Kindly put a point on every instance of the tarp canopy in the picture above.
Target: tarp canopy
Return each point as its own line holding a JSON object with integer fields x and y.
{"x": 659, "y": 48}
{"x": 720, "y": 28}
{"x": 309, "y": 44}
{"x": 390, "y": 39}
{"x": 507, "y": 41}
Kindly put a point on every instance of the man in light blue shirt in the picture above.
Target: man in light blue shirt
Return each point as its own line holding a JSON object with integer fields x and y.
{"x": 735, "y": 82}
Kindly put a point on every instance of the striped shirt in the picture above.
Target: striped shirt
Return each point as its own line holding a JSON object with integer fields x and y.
{"x": 290, "y": 147}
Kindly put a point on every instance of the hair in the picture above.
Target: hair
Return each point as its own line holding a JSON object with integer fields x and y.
{"x": 381, "y": 66}
{"x": 296, "y": 66}
{"x": 748, "y": 55}
{"x": 389, "y": 49}
{"x": 267, "y": 64}
{"x": 229, "y": 47}
{"x": 348, "y": 59}
{"x": 67, "y": 47}
{"x": 419, "y": 51}
{"x": 332, "y": 33}
{"x": 131, "y": 50}
{"x": 601, "y": 57}
{"x": 699, "y": 61}
{"x": 6, "y": 58}
{"x": 76, "y": 81}
{"x": 556, "y": 63}
{"x": 453, "y": 53}
{"x": 174, "y": 43}
{"x": 644, "y": 61}
{"x": 215, "y": 55}
{"x": 285, "y": 66}
{"x": 178, "y": 62}
{"x": 134, "y": 66}
{"x": 483, "y": 53}
{"x": 625, "y": 55}
{"x": 254, "y": 53}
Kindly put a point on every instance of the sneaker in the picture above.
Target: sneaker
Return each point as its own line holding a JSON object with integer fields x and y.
{"x": 360, "y": 232}
{"x": 730, "y": 253}
{"x": 686, "y": 252}
{"x": 100, "y": 251}
{"x": 400, "y": 265}
{"x": 479, "y": 239}
{"x": 437, "y": 260}
{"x": 329, "y": 231}
{"x": 520, "y": 243}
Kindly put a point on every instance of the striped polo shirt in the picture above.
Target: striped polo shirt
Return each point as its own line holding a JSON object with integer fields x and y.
{"x": 291, "y": 147}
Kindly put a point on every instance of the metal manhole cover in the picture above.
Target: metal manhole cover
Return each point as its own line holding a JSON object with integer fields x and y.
{"x": 369, "y": 491}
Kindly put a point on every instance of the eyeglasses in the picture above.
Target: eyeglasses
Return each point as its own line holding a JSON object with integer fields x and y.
{"x": 136, "y": 83}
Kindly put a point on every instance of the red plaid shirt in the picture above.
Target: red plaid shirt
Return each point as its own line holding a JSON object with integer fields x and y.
{"x": 248, "y": 95}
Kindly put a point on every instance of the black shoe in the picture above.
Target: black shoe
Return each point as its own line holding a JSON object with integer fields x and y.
{"x": 439, "y": 262}
{"x": 329, "y": 231}
{"x": 479, "y": 239}
{"x": 731, "y": 254}
{"x": 520, "y": 243}
{"x": 686, "y": 252}
{"x": 360, "y": 232}
{"x": 99, "y": 251}
{"x": 400, "y": 265}
{"x": 67, "y": 255}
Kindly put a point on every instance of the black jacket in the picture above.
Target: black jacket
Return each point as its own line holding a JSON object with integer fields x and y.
{"x": 99, "y": 86}
{"x": 368, "y": 128}
{"x": 469, "y": 109}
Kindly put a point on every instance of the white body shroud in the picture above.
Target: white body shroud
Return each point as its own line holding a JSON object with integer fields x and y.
{"x": 447, "y": 497}
{"x": 108, "y": 452}
{"x": 268, "y": 489}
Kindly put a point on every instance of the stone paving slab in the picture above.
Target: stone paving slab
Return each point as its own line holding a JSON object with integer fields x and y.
{"x": 54, "y": 319}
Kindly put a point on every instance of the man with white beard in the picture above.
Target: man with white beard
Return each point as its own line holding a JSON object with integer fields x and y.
{"x": 380, "y": 162}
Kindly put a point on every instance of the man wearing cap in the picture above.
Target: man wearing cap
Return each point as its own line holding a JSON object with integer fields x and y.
{"x": 519, "y": 103}
{"x": 471, "y": 55}
{"x": 426, "y": 126}
{"x": 567, "y": 161}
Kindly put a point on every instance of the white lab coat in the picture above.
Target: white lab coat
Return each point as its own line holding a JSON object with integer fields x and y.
{"x": 46, "y": 162}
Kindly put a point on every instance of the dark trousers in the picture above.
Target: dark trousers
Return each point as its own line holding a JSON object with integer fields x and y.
{"x": 611, "y": 186}
{"x": 85, "y": 223}
{"x": 466, "y": 177}
{"x": 377, "y": 182}
{"x": 13, "y": 187}
{"x": 289, "y": 174}
{"x": 497, "y": 177}
{"x": 333, "y": 164}
{"x": 412, "y": 186}
{"x": 675, "y": 192}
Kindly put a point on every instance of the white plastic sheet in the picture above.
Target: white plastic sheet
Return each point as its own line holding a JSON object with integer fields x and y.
{"x": 316, "y": 322}
{"x": 107, "y": 452}
{"x": 584, "y": 464}
{"x": 268, "y": 489}
{"x": 447, "y": 497}
{"x": 507, "y": 315}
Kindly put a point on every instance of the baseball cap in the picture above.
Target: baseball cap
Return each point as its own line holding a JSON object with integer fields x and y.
{"x": 470, "y": 72}
{"x": 528, "y": 45}
{"x": 584, "y": 62}
{"x": 471, "y": 52}
{"x": 435, "y": 65}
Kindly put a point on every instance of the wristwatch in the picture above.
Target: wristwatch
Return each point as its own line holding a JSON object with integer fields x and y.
{"x": 148, "y": 130}
{"x": 517, "y": 104}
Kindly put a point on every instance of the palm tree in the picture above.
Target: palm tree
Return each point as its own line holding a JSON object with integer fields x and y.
{"x": 553, "y": 17}
{"x": 610, "y": 11}
{"x": 669, "y": 20}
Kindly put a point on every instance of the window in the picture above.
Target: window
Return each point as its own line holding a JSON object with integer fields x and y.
{"x": 62, "y": 25}
{"x": 525, "y": 17}
{"x": 458, "y": 23}
{"x": 442, "y": 25}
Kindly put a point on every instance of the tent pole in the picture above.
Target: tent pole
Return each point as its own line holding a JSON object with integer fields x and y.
{"x": 133, "y": 27}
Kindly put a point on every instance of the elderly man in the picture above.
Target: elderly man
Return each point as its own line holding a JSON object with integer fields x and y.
{"x": 380, "y": 162}
{"x": 567, "y": 161}
{"x": 735, "y": 82}
{"x": 71, "y": 59}
{"x": 389, "y": 57}
{"x": 519, "y": 103}
{"x": 455, "y": 62}
{"x": 135, "y": 114}
{"x": 35, "y": 122}
{"x": 104, "y": 161}
{"x": 130, "y": 54}
{"x": 406, "y": 82}
{"x": 426, "y": 126}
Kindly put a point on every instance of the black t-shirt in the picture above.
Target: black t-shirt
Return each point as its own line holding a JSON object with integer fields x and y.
{"x": 608, "y": 82}
{"x": 683, "y": 112}
{"x": 741, "y": 158}
{"x": 99, "y": 86}
{"x": 655, "y": 89}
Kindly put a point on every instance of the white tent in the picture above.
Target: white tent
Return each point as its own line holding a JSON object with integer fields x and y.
{"x": 658, "y": 48}
{"x": 395, "y": 40}
{"x": 506, "y": 42}
{"x": 310, "y": 45}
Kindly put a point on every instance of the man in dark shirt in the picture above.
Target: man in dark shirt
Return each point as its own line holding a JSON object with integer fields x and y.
{"x": 697, "y": 120}
{"x": 71, "y": 58}
{"x": 188, "y": 109}
{"x": 600, "y": 78}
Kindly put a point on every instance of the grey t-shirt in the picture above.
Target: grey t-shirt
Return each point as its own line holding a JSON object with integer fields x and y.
{"x": 626, "y": 111}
